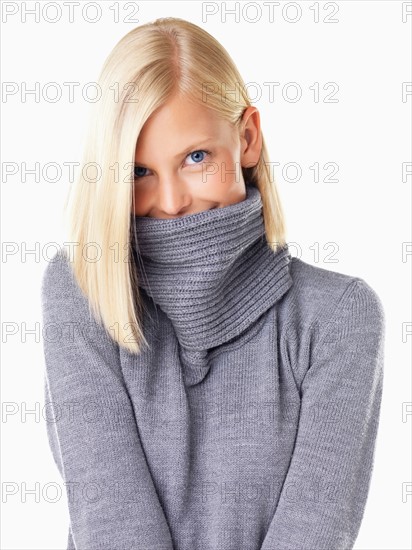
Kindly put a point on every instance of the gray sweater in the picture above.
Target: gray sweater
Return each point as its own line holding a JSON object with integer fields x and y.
{"x": 250, "y": 421}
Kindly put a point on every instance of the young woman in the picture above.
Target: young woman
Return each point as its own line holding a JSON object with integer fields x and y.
{"x": 208, "y": 391}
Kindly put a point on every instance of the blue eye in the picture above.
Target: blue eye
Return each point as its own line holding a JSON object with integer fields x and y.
{"x": 194, "y": 154}
{"x": 138, "y": 174}
{"x": 139, "y": 171}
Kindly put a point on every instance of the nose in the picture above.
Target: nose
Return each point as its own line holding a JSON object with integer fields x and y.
{"x": 173, "y": 198}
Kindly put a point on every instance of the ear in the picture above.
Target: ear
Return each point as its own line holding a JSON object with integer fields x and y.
{"x": 250, "y": 137}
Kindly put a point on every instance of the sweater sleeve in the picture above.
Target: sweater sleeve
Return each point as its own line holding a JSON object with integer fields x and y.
{"x": 91, "y": 427}
{"x": 324, "y": 494}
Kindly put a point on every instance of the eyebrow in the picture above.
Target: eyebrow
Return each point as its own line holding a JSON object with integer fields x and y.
{"x": 195, "y": 146}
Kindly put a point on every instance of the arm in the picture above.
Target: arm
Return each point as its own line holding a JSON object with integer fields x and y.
{"x": 91, "y": 427}
{"x": 324, "y": 494}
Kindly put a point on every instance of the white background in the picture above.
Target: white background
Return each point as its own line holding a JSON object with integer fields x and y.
{"x": 365, "y": 214}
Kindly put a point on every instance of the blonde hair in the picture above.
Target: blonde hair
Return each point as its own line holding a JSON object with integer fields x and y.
{"x": 148, "y": 66}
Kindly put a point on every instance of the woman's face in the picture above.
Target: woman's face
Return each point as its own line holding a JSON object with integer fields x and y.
{"x": 187, "y": 160}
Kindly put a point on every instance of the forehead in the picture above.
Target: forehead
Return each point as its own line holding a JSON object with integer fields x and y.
{"x": 184, "y": 115}
{"x": 178, "y": 125}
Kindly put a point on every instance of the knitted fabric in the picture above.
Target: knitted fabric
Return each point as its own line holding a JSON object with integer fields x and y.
{"x": 250, "y": 420}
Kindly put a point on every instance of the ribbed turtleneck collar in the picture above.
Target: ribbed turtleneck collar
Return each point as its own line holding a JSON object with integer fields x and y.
{"x": 212, "y": 273}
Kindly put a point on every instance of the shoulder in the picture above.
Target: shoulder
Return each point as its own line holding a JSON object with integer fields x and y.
{"x": 328, "y": 312}
{"x": 319, "y": 295}
{"x": 59, "y": 289}
{"x": 66, "y": 311}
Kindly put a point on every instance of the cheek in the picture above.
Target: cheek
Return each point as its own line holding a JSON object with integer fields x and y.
{"x": 142, "y": 200}
{"x": 228, "y": 170}
{"x": 222, "y": 189}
